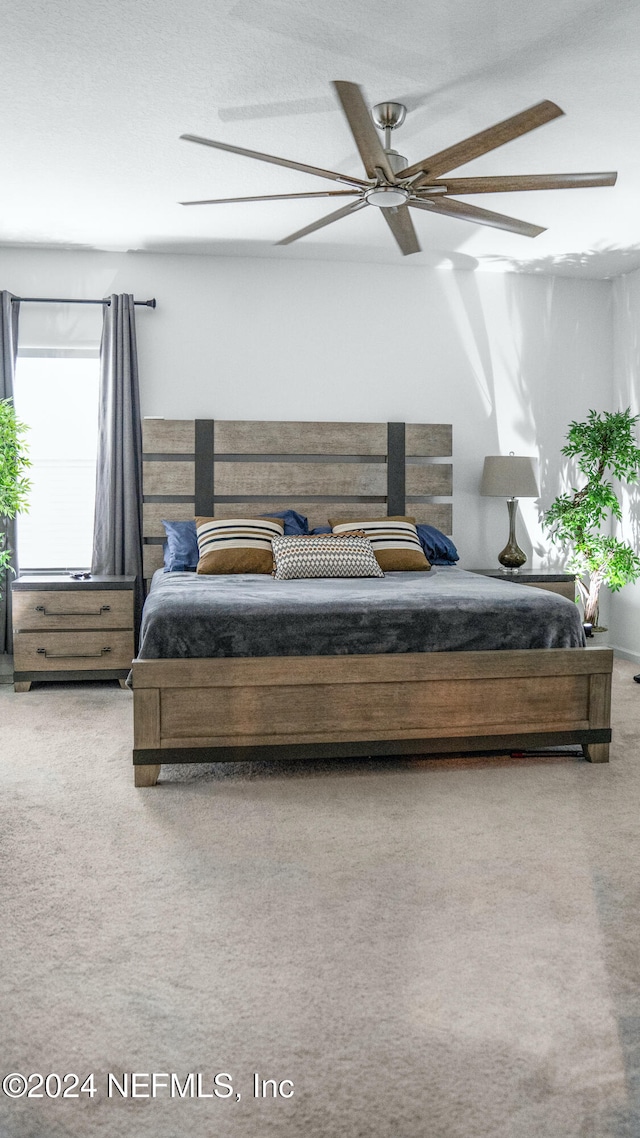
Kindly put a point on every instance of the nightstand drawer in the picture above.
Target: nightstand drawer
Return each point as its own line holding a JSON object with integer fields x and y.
{"x": 70, "y": 651}
{"x": 72, "y": 609}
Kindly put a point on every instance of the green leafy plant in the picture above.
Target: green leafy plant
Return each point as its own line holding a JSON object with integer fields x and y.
{"x": 603, "y": 446}
{"x": 14, "y": 486}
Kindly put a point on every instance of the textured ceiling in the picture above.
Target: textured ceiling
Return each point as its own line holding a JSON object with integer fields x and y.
{"x": 96, "y": 96}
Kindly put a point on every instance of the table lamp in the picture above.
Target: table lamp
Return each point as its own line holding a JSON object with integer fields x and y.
{"x": 510, "y": 476}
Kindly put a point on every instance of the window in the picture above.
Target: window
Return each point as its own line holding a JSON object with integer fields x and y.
{"x": 56, "y": 395}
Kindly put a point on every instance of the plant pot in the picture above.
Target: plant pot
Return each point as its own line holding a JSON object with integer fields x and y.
{"x": 593, "y": 629}
{"x": 597, "y": 637}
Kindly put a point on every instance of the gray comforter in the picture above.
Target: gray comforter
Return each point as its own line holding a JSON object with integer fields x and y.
{"x": 446, "y": 610}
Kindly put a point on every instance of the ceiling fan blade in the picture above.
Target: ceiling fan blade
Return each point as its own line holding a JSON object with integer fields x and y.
{"x": 277, "y": 197}
{"x": 401, "y": 225}
{"x": 466, "y": 212}
{"x": 364, "y": 132}
{"x": 317, "y": 170}
{"x": 328, "y": 220}
{"x": 482, "y": 143}
{"x": 518, "y": 182}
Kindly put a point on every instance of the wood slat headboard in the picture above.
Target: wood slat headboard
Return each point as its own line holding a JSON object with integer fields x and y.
{"x": 244, "y": 468}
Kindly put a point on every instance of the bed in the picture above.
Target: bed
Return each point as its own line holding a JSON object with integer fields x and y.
{"x": 245, "y": 667}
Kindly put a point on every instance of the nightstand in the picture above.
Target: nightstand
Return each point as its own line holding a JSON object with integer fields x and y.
{"x": 562, "y": 583}
{"x": 71, "y": 630}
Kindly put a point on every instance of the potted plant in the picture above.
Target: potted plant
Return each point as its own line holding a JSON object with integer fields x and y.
{"x": 14, "y": 486}
{"x": 603, "y": 446}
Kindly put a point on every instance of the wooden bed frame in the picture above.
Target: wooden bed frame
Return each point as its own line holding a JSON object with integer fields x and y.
{"x": 206, "y": 710}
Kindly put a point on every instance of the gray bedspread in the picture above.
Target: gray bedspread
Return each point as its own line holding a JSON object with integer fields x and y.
{"x": 446, "y": 610}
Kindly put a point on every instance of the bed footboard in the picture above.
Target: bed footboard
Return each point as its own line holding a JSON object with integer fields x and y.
{"x": 225, "y": 710}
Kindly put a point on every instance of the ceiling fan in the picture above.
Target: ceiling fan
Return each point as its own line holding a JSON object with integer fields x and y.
{"x": 393, "y": 185}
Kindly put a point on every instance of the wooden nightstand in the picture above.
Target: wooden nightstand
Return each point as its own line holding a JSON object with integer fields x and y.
{"x": 72, "y": 630}
{"x": 562, "y": 583}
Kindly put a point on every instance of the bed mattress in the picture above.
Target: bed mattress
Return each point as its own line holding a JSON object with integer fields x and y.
{"x": 188, "y": 615}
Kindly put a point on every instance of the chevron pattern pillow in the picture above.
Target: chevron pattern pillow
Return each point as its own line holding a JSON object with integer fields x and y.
{"x": 324, "y": 555}
{"x": 394, "y": 540}
{"x": 236, "y": 545}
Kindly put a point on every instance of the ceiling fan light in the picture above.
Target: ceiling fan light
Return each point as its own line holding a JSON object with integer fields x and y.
{"x": 387, "y": 197}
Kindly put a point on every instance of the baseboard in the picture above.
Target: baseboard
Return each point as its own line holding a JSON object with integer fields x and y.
{"x": 624, "y": 654}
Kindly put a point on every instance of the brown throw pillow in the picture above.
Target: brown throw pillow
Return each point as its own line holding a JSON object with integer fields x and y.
{"x": 394, "y": 540}
{"x": 236, "y": 545}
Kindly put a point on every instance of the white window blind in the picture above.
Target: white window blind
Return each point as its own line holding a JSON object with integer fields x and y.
{"x": 56, "y": 395}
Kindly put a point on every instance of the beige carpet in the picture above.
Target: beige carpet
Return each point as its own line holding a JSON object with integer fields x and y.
{"x": 426, "y": 949}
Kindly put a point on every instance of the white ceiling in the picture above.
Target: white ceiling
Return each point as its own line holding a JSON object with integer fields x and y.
{"x": 95, "y": 97}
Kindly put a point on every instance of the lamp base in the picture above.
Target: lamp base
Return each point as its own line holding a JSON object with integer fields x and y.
{"x": 512, "y": 558}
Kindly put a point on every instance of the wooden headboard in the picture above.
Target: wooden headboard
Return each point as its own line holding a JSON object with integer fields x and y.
{"x": 234, "y": 468}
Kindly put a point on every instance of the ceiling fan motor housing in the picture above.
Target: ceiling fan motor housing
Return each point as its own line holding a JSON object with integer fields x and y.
{"x": 397, "y": 162}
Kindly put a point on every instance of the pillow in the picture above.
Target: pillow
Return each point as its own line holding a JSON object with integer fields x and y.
{"x": 394, "y": 540}
{"x": 324, "y": 555}
{"x": 294, "y": 523}
{"x": 320, "y": 529}
{"x": 181, "y": 547}
{"x": 438, "y": 548}
{"x": 236, "y": 545}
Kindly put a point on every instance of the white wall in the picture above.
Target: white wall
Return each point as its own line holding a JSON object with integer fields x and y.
{"x": 508, "y": 359}
{"x": 625, "y": 615}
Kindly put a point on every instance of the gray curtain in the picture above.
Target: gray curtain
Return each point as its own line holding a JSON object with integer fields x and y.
{"x": 117, "y": 531}
{"x": 9, "y": 314}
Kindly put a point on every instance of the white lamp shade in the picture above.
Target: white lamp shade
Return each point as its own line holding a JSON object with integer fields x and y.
{"x": 510, "y": 476}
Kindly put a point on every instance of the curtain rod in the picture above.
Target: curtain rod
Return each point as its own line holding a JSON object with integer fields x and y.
{"x": 63, "y": 300}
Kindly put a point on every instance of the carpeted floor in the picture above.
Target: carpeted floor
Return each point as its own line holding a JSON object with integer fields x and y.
{"x": 427, "y": 949}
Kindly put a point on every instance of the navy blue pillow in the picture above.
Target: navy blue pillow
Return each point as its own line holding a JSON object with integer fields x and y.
{"x": 321, "y": 529}
{"x": 294, "y": 524}
{"x": 438, "y": 548}
{"x": 181, "y": 547}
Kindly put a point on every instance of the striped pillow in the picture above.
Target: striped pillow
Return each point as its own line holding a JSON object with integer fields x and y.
{"x": 236, "y": 545}
{"x": 324, "y": 555}
{"x": 394, "y": 540}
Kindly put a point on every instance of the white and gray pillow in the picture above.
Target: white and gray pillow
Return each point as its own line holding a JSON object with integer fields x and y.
{"x": 324, "y": 555}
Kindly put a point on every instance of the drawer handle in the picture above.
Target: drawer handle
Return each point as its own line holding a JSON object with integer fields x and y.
{"x": 71, "y": 655}
{"x": 103, "y": 608}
